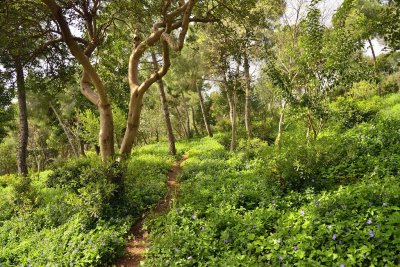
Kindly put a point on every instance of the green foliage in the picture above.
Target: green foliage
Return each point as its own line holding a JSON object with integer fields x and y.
{"x": 8, "y": 155}
{"x": 78, "y": 214}
{"x": 328, "y": 202}
{"x": 391, "y": 84}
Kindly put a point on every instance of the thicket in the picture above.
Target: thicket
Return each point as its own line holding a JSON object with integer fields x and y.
{"x": 334, "y": 201}
{"x": 78, "y": 214}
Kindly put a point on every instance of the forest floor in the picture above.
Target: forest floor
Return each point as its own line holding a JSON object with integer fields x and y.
{"x": 136, "y": 247}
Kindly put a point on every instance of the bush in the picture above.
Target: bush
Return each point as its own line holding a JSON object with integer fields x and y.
{"x": 8, "y": 155}
{"x": 391, "y": 84}
{"x": 79, "y": 214}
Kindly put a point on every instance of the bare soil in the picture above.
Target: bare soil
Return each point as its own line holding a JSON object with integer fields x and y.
{"x": 138, "y": 244}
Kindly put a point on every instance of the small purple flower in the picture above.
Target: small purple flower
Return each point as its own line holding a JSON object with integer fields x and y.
{"x": 189, "y": 258}
{"x": 302, "y": 212}
{"x": 334, "y": 237}
{"x": 273, "y": 201}
{"x": 371, "y": 234}
{"x": 369, "y": 222}
{"x": 312, "y": 180}
{"x": 280, "y": 258}
{"x": 341, "y": 265}
{"x": 340, "y": 242}
{"x": 226, "y": 241}
{"x": 202, "y": 228}
{"x": 254, "y": 227}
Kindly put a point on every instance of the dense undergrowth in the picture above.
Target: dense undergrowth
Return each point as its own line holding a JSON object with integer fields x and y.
{"x": 334, "y": 201}
{"x": 78, "y": 214}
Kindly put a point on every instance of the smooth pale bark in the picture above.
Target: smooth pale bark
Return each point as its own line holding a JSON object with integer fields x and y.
{"x": 23, "y": 121}
{"x": 247, "y": 113}
{"x": 163, "y": 97}
{"x": 204, "y": 112}
{"x": 231, "y": 97}
{"x": 66, "y": 131}
{"x": 278, "y": 140}
{"x": 89, "y": 77}
{"x": 232, "y": 116}
{"x": 132, "y": 127}
{"x": 161, "y": 31}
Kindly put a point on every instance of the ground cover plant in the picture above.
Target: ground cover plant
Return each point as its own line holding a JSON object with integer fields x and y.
{"x": 77, "y": 215}
{"x": 199, "y": 133}
{"x": 333, "y": 202}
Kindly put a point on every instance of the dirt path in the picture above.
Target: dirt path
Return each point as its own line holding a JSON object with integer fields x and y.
{"x": 137, "y": 246}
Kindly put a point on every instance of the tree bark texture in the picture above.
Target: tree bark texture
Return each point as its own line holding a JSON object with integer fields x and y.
{"x": 23, "y": 121}
{"x": 187, "y": 116}
{"x": 374, "y": 58}
{"x": 132, "y": 127}
{"x": 247, "y": 116}
{"x": 232, "y": 116}
{"x": 90, "y": 77}
{"x": 278, "y": 140}
{"x": 204, "y": 112}
{"x": 194, "y": 121}
{"x": 66, "y": 131}
{"x": 163, "y": 97}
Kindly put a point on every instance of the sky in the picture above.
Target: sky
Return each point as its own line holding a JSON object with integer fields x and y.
{"x": 328, "y": 8}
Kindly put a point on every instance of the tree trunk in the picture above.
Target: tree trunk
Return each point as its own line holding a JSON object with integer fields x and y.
{"x": 311, "y": 126}
{"x": 106, "y": 135}
{"x": 203, "y": 111}
{"x": 232, "y": 112}
{"x": 23, "y": 121}
{"x": 135, "y": 109}
{"x": 161, "y": 89}
{"x": 278, "y": 140}
{"x": 185, "y": 131}
{"x": 374, "y": 58}
{"x": 82, "y": 148}
{"x": 194, "y": 122}
{"x": 64, "y": 127}
{"x": 187, "y": 114}
{"x": 247, "y": 116}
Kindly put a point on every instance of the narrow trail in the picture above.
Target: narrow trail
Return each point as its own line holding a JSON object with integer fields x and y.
{"x": 137, "y": 246}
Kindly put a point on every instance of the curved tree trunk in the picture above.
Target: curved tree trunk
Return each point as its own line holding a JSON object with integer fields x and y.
{"x": 163, "y": 97}
{"x": 135, "y": 109}
{"x": 203, "y": 111}
{"x": 247, "y": 116}
{"x": 23, "y": 121}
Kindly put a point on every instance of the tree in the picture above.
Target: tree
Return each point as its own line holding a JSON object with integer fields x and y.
{"x": 174, "y": 16}
{"x": 6, "y": 110}
{"x": 171, "y": 137}
{"x": 22, "y": 41}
